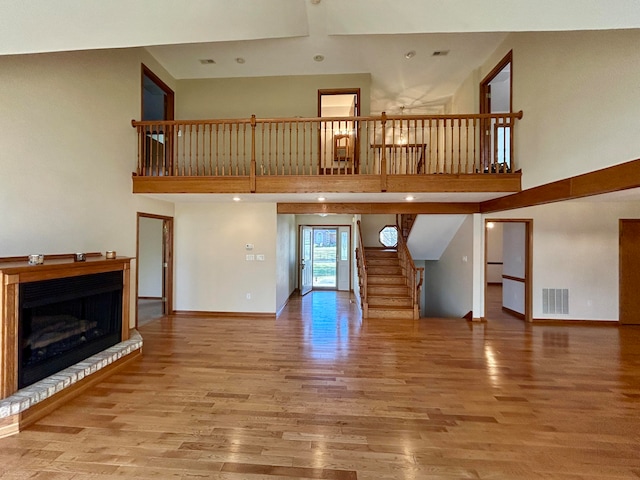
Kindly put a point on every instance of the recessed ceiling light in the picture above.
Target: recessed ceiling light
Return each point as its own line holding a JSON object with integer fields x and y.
{"x": 236, "y": 199}
{"x": 409, "y": 198}
{"x": 490, "y": 224}
{"x": 240, "y": 60}
{"x": 440, "y": 53}
{"x": 207, "y": 61}
{"x": 318, "y": 58}
{"x": 410, "y": 54}
{"x": 321, "y": 199}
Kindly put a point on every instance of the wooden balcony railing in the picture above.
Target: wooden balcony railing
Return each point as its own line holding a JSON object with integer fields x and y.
{"x": 382, "y": 145}
{"x": 361, "y": 263}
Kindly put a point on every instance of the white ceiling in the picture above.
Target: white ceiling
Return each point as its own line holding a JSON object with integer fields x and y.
{"x": 431, "y": 234}
{"x": 281, "y": 37}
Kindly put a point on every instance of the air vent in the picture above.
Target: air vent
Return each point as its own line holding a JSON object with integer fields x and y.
{"x": 440, "y": 53}
{"x": 555, "y": 300}
{"x": 207, "y": 61}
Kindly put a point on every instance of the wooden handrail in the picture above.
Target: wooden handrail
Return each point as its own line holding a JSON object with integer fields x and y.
{"x": 361, "y": 263}
{"x": 383, "y": 145}
{"x": 413, "y": 274}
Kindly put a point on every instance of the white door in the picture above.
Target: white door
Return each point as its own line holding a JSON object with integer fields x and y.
{"x": 343, "y": 258}
{"x": 306, "y": 266}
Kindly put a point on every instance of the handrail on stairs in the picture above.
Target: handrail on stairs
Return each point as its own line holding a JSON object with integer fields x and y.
{"x": 413, "y": 274}
{"x": 362, "y": 272}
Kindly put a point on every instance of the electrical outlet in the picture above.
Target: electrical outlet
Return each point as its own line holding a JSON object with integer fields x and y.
{"x": 248, "y": 296}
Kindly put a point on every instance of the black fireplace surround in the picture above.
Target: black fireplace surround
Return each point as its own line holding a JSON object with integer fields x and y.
{"x": 65, "y": 320}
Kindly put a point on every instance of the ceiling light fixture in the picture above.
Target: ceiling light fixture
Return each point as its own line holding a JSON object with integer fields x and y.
{"x": 207, "y": 61}
{"x": 410, "y": 54}
{"x": 409, "y": 198}
{"x": 236, "y": 199}
{"x": 321, "y": 199}
{"x": 240, "y": 60}
{"x": 318, "y": 58}
{"x": 490, "y": 224}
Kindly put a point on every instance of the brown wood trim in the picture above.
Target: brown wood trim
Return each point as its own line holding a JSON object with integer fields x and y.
{"x": 513, "y": 313}
{"x": 515, "y": 279}
{"x": 611, "y": 179}
{"x": 163, "y": 86}
{"x": 191, "y": 184}
{"x": 198, "y": 313}
{"x": 467, "y": 182}
{"x": 508, "y": 58}
{"x": 45, "y": 407}
{"x": 380, "y": 208}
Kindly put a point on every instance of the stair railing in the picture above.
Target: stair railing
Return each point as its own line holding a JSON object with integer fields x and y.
{"x": 413, "y": 274}
{"x": 361, "y": 262}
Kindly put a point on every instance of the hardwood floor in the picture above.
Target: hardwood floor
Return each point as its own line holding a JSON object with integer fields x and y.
{"x": 321, "y": 394}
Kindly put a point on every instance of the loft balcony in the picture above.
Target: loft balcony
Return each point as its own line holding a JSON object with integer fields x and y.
{"x": 372, "y": 154}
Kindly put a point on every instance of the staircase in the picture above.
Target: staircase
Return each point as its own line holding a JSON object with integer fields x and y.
{"x": 388, "y": 293}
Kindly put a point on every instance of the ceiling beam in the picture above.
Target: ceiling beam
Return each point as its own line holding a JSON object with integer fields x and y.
{"x": 378, "y": 208}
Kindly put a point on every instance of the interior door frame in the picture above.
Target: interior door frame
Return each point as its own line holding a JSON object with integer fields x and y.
{"x": 167, "y": 261}
{"x": 168, "y": 111}
{"x": 622, "y": 280}
{"x": 528, "y": 263}
{"x": 299, "y": 254}
{"x": 340, "y": 91}
{"x": 485, "y": 106}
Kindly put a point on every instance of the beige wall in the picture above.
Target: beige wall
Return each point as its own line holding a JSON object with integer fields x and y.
{"x": 579, "y": 94}
{"x": 575, "y": 246}
{"x": 68, "y": 151}
{"x": 266, "y": 97}
{"x": 211, "y": 270}
{"x": 371, "y": 226}
{"x": 286, "y": 264}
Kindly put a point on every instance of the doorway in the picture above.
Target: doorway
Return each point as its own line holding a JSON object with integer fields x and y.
{"x": 325, "y": 258}
{"x": 629, "y": 252}
{"x": 154, "y": 269}
{"x": 338, "y": 139}
{"x": 508, "y": 267}
{"x": 157, "y": 105}
{"x": 496, "y": 138}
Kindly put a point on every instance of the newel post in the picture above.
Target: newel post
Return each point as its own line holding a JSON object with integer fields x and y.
{"x": 253, "y": 154}
{"x": 383, "y": 153}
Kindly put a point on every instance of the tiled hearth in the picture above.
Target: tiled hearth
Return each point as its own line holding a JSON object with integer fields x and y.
{"x": 27, "y": 397}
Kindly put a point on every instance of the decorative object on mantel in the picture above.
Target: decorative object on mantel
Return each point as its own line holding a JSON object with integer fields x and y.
{"x": 36, "y": 259}
{"x": 111, "y": 254}
{"x": 79, "y": 257}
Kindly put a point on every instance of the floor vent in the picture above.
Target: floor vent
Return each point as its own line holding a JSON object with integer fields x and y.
{"x": 555, "y": 300}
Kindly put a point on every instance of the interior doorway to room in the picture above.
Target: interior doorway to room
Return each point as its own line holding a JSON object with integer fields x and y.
{"x": 496, "y": 97}
{"x": 508, "y": 267}
{"x": 338, "y": 139}
{"x": 325, "y": 258}
{"x": 629, "y": 252}
{"x": 157, "y": 105}
{"x": 154, "y": 269}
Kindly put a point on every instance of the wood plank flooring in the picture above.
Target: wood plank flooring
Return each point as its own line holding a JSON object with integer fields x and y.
{"x": 321, "y": 394}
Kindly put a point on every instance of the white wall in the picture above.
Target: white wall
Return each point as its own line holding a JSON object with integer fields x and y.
{"x": 514, "y": 237}
{"x": 68, "y": 151}
{"x": 448, "y": 286}
{"x": 579, "y": 94}
{"x": 150, "y": 257}
{"x": 211, "y": 270}
{"x": 286, "y": 259}
{"x": 575, "y": 246}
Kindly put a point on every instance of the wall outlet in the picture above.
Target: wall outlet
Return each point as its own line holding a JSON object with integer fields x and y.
{"x": 248, "y": 296}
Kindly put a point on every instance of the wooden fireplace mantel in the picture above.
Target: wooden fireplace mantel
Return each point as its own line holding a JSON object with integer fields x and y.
{"x": 15, "y": 273}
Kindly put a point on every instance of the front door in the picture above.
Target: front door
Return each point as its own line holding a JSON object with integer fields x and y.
{"x": 629, "y": 271}
{"x": 306, "y": 260}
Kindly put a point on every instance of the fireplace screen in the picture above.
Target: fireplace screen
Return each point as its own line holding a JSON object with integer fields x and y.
{"x": 65, "y": 320}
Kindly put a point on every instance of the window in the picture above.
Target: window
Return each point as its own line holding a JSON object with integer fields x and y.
{"x": 389, "y": 236}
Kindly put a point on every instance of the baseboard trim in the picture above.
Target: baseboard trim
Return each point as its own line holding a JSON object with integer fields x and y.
{"x": 291, "y": 295}
{"x": 469, "y": 316}
{"x": 479, "y": 319}
{"x": 197, "y": 313}
{"x": 513, "y": 313}
{"x": 142, "y": 297}
{"x": 573, "y": 321}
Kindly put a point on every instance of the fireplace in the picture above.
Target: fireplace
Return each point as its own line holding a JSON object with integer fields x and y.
{"x": 65, "y": 320}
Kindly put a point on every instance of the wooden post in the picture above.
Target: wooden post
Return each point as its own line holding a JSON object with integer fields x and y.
{"x": 383, "y": 154}
{"x": 253, "y": 154}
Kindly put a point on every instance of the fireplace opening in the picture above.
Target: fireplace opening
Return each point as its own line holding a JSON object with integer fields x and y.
{"x": 65, "y": 320}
